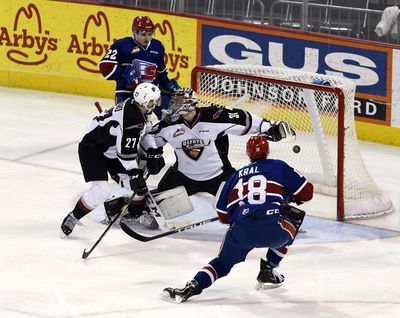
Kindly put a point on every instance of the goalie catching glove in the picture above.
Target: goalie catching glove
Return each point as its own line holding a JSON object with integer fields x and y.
{"x": 155, "y": 160}
{"x": 278, "y": 131}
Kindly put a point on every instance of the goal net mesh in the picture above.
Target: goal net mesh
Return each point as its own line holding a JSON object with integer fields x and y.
{"x": 313, "y": 114}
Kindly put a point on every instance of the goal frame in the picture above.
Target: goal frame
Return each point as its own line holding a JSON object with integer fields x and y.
{"x": 340, "y": 213}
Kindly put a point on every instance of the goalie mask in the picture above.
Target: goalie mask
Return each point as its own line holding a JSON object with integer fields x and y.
{"x": 147, "y": 95}
{"x": 183, "y": 101}
{"x": 257, "y": 148}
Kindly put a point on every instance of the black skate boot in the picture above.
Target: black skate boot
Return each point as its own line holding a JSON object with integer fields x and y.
{"x": 68, "y": 225}
{"x": 179, "y": 295}
{"x": 267, "y": 277}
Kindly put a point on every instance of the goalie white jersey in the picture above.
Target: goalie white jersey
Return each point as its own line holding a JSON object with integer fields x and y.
{"x": 201, "y": 146}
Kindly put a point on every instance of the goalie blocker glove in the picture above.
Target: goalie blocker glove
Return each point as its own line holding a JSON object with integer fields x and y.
{"x": 280, "y": 131}
{"x": 155, "y": 160}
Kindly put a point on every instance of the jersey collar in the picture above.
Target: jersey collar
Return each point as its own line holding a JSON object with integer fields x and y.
{"x": 195, "y": 119}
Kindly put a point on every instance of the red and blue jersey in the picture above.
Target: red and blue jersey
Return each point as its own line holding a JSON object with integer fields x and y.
{"x": 262, "y": 185}
{"x": 149, "y": 60}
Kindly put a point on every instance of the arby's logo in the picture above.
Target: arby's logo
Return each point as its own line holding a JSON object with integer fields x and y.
{"x": 88, "y": 43}
{"x": 29, "y": 44}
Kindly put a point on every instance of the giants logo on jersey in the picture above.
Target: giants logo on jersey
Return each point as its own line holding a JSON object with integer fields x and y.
{"x": 193, "y": 148}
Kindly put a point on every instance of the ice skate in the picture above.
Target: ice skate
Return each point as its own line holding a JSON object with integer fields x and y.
{"x": 179, "y": 295}
{"x": 68, "y": 225}
{"x": 268, "y": 278}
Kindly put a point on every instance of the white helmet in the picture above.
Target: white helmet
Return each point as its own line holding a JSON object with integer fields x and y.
{"x": 148, "y": 96}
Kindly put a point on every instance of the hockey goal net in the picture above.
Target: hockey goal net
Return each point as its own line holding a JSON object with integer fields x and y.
{"x": 321, "y": 115}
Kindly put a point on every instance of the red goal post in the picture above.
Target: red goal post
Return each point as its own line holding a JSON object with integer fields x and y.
{"x": 323, "y": 118}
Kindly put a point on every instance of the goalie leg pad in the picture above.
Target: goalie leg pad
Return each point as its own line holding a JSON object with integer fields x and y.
{"x": 174, "y": 202}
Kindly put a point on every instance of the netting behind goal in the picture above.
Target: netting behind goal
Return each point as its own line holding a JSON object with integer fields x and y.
{"x": 322, "y": 117}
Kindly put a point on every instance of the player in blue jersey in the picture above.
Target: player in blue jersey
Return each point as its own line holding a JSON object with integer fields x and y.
{"x": 136, "y": 59}
{"x": 254, "y": 202}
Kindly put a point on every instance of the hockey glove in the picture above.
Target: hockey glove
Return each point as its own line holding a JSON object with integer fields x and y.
{"x": 281, "y": 131}
{"x": 172, "y": 85}
{"x": 155, "y": 160}
{"x": 132, "y": 75}
{"x": 293, "y": 214}
{"x": 137, "y": 182}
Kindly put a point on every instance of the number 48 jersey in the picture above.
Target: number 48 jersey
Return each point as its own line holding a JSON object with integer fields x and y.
{"x": 261, "y": 186}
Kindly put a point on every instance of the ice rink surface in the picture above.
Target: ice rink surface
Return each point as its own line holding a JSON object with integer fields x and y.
{"x": 334, "y": 270}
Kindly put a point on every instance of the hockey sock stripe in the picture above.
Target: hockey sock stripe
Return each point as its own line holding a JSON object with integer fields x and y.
{"x": 278, "y": 252}
{"x": 211, "y": 272}
{"x": 80, "y": 209}
{"x": 287, "y": 226}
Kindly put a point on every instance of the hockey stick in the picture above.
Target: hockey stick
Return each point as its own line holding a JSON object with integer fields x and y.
{"x": 85, "y": 253}
{"x": 97, "y": 104}
{"x": 143, "y": 238}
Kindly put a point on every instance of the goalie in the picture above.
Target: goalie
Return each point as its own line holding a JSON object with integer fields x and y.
{"x": 199, "y": 137}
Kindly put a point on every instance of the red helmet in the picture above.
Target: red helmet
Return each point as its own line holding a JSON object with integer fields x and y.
{"x": 257, "y": 148}
{"x": 143, "y": 23}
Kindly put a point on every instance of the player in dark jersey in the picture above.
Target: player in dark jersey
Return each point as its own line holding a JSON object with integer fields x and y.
{"x": 254, "y": 204}
{"x": 110, "y": 145}
{"x": 199, "y": 136}
{"x": 136, "y": 59}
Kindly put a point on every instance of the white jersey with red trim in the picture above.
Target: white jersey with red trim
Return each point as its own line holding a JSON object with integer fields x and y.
{"x": 201, "y": 146}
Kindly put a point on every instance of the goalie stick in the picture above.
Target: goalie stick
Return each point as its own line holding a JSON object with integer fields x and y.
{"x": 143, "y": 238}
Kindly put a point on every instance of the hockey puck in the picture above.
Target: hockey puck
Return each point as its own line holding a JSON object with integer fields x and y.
{"x": 296, "y": 148}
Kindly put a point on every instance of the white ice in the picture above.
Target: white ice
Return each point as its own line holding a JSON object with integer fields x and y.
{"x": 335, "y": 270}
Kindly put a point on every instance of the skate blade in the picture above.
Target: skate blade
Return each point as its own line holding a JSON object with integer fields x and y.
{"x": 63, "y": 235}
{"x": 166, "y": 296}
{"x": 266, "y": 286}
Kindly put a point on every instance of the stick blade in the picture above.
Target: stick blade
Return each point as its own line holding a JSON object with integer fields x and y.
{"x": 133, "y": 234}
{"x": 85, "y": 254}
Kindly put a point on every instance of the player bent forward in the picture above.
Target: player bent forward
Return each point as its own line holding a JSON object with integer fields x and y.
{"x": 252, "y": 202}
{"x": 199, "y": 136}
{"x": 110, "y": 145}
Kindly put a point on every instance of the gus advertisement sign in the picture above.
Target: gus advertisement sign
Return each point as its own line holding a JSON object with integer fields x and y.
{"x": 367, "y": 66}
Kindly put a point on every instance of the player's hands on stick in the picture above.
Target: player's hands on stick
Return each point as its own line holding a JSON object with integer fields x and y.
{"x": 155, "y": 160}
{"x": 137, "y": 182}
{"x": 280, "y": 131}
